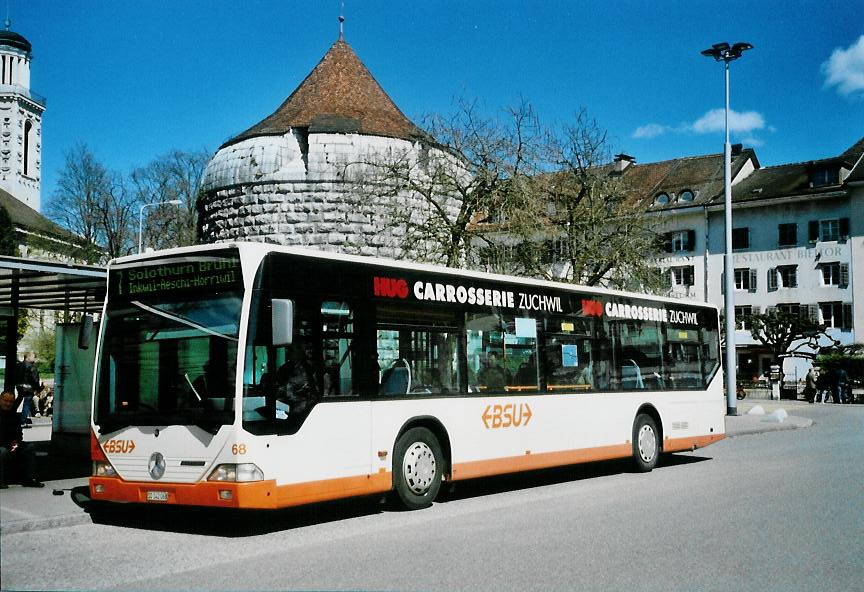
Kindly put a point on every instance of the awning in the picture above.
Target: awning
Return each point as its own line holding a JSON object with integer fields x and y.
{"x": 49, "y": 285}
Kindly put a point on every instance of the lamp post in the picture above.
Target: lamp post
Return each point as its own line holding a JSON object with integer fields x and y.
{"x": 722, "y": 52}
{"x": 175, "y": 202}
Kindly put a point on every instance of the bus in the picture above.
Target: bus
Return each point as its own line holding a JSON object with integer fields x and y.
{"x": 246, "y": 375}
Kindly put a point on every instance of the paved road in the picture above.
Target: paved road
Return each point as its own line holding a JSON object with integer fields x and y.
{"x": 775, "y": 511}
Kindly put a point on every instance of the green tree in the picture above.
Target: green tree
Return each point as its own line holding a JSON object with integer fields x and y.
{"x": 789, "y": 335}
{"x": 7, "y": 234}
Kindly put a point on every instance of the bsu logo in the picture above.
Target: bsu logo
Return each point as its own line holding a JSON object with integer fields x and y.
{"x": 592, "y": 308}
{"x": 391, "y": 287}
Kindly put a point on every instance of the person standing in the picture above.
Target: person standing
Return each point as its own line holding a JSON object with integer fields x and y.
{"x": 13, "y": 449}
{"x": 841, "y": 378}
{"x": 810, "y": 385}
{"x": 28, "y": 385}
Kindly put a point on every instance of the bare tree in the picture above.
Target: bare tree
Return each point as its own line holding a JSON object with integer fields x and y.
{"x": 172, "y": 176}
{"x": 581, "y": 220}
{"x": 82, "y": 185}
{"x": 433, "y": 195}
{"x": 115, "y": 217}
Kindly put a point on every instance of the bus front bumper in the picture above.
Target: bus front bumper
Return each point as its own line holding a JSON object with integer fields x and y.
{"x": 216, "y": 494}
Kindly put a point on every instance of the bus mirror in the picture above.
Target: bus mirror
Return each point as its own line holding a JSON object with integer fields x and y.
{"x": 85, "y": 331}
{"x": 283, "y": 322}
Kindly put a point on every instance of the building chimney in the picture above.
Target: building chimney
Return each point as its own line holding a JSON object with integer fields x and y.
{"x": 622, "y": 161}
{"x": 737, "y": 149}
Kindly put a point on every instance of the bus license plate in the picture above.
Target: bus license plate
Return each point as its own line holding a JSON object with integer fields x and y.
{"x": 157, "y": 496}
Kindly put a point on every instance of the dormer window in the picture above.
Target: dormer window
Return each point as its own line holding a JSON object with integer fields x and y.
{"x": 686, "y": 195}
{"x": 661, "y": 199}
{"x": 824, "y": 177}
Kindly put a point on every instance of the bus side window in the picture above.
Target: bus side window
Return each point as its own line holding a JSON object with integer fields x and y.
{"x": 418, "y": 351}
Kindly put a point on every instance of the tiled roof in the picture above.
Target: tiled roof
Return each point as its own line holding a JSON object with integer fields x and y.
{"x": 25, "y": 217}
{"x": 339, "y": 95}
{"x": 795, "y": 179}
{"x": 702, "y": 175}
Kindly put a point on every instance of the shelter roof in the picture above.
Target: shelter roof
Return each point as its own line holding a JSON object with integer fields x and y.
{"x": 49, "y": 285}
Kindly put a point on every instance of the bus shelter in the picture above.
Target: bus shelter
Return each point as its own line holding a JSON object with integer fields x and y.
{"x": 44, "y": 285}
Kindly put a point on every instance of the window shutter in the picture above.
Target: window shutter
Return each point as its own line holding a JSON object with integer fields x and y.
{"x": 772, "y": 279}
{"x": 691, "y": 275}
{"x": 691, "y": 240}
{"x": 844, "y": 275}
{"x": 722, "y": 282}
{"x": 847, "y": 316}
{"x": 667, "y": 242}
{"x": 752, "y": 280}
{"x": 813, "y": 230}
{"x": 793, "y": 277}
{"x": 844, "y": 228}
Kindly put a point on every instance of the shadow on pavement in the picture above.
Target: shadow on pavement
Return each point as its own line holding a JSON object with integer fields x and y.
{"x": 527, "y": 480}
{"x": 243, "y": 523}
{"x": 222, "y": 522}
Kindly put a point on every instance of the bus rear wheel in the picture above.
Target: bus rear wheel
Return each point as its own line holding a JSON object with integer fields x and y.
{"x": 646, "y": 443}
{"x": 417, "y": 468}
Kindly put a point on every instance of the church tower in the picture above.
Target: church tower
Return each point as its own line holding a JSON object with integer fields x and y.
{"x": 20, "y": 121}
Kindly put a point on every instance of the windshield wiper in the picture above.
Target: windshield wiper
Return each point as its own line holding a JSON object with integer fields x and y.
{"x": 192, "y": 386}
{"x": 182, "y": 320}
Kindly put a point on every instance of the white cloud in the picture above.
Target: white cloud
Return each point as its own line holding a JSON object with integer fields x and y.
{"x": 652, "y": 130}
{"x": 845, "y": 68}
{"x": 713, "y": 121}
{"x": 739, "y": 123}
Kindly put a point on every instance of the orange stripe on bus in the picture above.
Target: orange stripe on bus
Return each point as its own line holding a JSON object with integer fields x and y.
{"x": 329, "y": 489}
{"x": 542, "y": 460}
{"x": 692, "y": 443}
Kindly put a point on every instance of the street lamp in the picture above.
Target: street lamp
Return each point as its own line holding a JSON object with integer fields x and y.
{"x": 175, "y": 202}
{"x": 722, "y": 52}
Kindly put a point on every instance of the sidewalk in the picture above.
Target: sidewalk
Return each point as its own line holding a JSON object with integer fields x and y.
{"x": 26, "y": 509}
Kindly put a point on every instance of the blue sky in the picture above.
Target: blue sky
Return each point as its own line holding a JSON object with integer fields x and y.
{"x": 134, "y": 80}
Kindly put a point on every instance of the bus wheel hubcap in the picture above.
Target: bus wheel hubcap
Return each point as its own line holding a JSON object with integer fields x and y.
{"x": 418, "y": 467}
{"x": 647, "y": 443}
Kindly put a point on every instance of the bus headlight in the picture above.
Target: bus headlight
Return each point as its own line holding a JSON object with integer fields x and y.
{"x": 103, "y": 468}
{"x": 238, "y": 473}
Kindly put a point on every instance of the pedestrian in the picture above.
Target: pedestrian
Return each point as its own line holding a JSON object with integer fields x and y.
{"x": 810, "y": 385}
{"x": 27, "y": 385}
{"x": 841, "y": 379}
{"x": 823, "y": 386}
{"x": 14, "y": 452}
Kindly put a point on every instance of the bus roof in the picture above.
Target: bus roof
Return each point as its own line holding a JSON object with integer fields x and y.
{"x": 259, "y": 249}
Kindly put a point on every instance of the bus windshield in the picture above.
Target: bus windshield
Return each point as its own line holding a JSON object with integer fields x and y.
{"x": 169, "y": 349}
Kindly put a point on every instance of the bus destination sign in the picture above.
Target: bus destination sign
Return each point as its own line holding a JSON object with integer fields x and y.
{"x": 207, "y": 273}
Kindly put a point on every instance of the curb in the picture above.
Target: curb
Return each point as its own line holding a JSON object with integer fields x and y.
{"x": 45, "y": 523}
{"x": 749, "y": 425}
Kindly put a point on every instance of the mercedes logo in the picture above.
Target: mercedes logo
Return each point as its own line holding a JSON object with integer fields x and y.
{"x": 156, "y": 465}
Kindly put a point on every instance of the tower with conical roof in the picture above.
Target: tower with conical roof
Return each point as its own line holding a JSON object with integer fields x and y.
{"x": 283, "y": 180}
{"x": 20, "y": 121}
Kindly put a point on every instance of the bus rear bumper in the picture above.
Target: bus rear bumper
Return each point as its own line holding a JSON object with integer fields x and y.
{"x": 256, "y": 495}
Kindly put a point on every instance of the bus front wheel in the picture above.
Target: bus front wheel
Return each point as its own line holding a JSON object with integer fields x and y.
{"x": 417, "y": 466}
{"x": 646, "y": 443}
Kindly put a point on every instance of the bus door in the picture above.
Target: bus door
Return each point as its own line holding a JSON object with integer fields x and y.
{"x": 300, "y": 384}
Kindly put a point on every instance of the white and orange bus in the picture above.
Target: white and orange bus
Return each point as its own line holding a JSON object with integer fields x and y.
{"x": 251, "y": 376}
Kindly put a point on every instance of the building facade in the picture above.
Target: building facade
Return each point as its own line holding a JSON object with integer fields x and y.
{"x": 797, "y": 240}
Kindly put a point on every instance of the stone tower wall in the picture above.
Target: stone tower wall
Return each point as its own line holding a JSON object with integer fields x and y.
{"x": 291, "y": 190}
